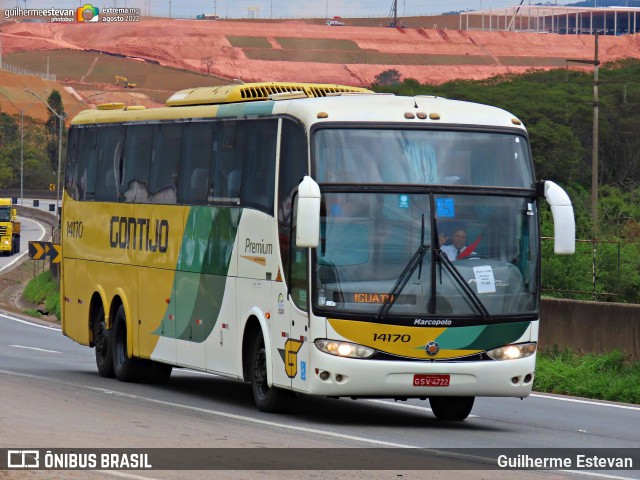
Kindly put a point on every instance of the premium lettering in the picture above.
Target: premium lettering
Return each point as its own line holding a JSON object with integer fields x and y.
{"x": 258, "y": 247}
{"x": 142, "y": 234}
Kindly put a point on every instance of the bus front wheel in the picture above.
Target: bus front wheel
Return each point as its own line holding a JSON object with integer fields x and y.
{"x": 102, "y": 342}
{"x": 267, "y": 399}
{"x": 451, "y": 408}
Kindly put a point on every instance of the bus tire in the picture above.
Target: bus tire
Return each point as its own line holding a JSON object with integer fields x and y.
{"x": 454, "y": 409}
{"x": 267, "y": 399}
{"x": 126, "y": 369}
{"x": 102, "y": 343}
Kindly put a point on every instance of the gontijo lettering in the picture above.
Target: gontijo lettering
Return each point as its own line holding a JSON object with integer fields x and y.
{"x": 137, "y": 234}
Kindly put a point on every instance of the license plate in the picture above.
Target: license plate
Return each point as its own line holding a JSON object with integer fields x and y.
{"x": 420, "y": 380}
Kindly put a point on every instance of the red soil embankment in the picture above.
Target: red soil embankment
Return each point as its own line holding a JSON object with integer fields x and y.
{"x": 184, "y": 43}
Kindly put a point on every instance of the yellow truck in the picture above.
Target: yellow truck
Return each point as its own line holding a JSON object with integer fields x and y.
{"x": 9, "y": 228}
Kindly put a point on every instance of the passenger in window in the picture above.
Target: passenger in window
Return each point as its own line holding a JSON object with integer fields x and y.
{"x": 455, "y": 247}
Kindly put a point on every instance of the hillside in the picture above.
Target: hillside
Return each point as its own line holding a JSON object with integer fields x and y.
{"x": 293, "y": 50}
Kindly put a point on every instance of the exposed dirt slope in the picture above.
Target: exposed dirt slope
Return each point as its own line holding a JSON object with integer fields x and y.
{"x": 438, "y": 55}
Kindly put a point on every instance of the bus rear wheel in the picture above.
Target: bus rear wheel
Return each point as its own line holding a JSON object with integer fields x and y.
{"x": 267, "y": 399}
{"x": 133, "y": 369}
{"x": 453, "y": 409}
{"x": 102, "y": 342}
{"x": 126, "y": 369}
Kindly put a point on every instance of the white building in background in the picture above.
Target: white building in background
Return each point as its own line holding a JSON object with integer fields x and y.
{"x": 555, "y": 19}
{"x": 253, "y": 12}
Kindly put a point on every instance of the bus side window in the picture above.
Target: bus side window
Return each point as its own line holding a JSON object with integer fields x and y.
{"x": 87, "y": 159}
{"x": 71, "y": 175}
{"x": 299, "y": 270}
{"x": 225, "y": 170}
{"x": 260, "y": 160}
{"x": 163, "y": 168}
{"x": 196, "y": 156}
{"x": 110, "y": 143}
{"x": 293, "y": 166}
{"x": 136, "y": 161}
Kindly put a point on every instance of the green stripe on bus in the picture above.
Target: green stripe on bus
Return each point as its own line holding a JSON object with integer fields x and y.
{"x": 242, "y": 109}
{"x": 201, "y": 272}
{"x": 481, "y": 337}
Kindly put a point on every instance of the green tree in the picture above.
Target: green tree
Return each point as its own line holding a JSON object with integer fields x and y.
{"x": 388, "y": 77}
{"x": 55, "y": 102}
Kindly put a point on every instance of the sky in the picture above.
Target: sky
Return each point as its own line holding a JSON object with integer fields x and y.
{"x": 280, "y": 8}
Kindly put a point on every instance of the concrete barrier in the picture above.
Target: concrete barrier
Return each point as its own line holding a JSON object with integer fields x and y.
{"x": 37, "y": 214}
{"x": 590, "y": 327}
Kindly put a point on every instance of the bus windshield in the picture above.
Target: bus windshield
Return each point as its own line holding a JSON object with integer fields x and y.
{"x": 425, "y": 157}
{"x": 371, "y": 240}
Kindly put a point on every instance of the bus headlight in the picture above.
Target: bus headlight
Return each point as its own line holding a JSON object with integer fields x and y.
{"x": 343, "y": 349}
{"x": 513, "y": 352}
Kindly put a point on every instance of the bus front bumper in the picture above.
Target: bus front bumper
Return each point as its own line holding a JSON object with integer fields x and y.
{"x": 346, "y": 377}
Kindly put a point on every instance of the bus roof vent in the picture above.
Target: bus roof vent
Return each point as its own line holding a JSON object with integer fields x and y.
{"x": 252, "y": 92}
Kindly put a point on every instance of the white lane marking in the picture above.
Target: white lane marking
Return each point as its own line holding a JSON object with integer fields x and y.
{"x": 586, "y": 402}
{"x": 595, "y": 474}
{"x": 46, "y": 327}
{"x": 251, "y": 420}
{"x": 125, "y": 475}
{"x": 280, "y": 425}
{"x": 35, "y": 348}
{"x": 43, "y": 233}
{"x": 406, "y": 405}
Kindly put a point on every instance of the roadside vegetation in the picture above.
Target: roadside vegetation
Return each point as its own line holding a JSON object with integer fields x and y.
{"x": 557, "y": 109}
{"x": 604, "y": 377}
{"x": 43, "y": 290}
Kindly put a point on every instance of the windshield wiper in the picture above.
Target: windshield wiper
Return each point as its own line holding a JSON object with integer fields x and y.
{"x": 414, "y": 262}
{"x": 459, "y": 279}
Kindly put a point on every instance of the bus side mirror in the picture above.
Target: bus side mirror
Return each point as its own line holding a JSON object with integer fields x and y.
{"x": 308, "y": 214}
{"x": 564, "y": 226}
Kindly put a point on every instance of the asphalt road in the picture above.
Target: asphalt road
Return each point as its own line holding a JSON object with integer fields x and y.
{"x": 52, "y": 397}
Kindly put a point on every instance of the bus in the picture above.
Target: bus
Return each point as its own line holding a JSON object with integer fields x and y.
{"x": 292, "y": 236}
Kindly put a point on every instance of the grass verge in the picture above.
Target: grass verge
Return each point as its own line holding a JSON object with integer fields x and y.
{"x": 43, "y": 289}
{"x": 604, "y": 377}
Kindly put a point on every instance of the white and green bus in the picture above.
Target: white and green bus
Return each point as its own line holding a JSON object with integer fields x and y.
{"x": 293, "y": 236}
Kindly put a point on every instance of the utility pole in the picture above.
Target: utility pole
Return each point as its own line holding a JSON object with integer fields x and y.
{"x": 594, "y": 151}
{"x": 594, "y": 148}
{"x": 394, "y": 13}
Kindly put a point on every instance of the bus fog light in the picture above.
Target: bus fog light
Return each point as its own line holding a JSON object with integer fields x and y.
{"x": 343, "y": 349}
{"x": 513, "y": 352}
{"x": 324, "y": 375}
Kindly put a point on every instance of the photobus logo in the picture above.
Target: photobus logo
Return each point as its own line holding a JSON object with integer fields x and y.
{"x": 88, "y": 13}
{"x": 23, "y": 459}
